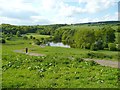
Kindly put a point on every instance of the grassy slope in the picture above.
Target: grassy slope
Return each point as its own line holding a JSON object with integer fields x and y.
{"x": 37, "y": 36}
{"x": 57, "y": 69}
{"x": 95, "y": 27}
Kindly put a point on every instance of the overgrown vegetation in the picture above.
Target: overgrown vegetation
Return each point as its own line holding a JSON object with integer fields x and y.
{"x": 54, "y": 70}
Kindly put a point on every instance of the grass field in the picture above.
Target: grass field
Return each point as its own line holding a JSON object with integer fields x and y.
{"x": 37, "y": 36}
{"x": 95, "y": 27}
{"x": 59, "y": 68}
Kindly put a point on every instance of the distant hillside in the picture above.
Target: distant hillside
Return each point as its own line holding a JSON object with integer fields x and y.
{"x": 101, "y": 22}
{"x": 88, "y": 23}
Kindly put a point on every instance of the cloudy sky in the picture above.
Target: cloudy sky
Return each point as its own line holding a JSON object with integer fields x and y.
{"x": 32, "y": 12}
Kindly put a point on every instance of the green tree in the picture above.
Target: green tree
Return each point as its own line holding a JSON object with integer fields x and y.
{"x": 99, "y": 44}
{"x": 112, "y": 46}
{"x": 94, "y": 47}
{"x": 109, "y": 35}
{"x": 58, "y": 35}
{"x": 83, "y": 37}
{"x": 31, "y": 37}
{"x": 99, "y": 34}
{"x": 18, "y": 34}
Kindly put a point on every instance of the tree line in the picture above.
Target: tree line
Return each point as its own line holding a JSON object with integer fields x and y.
{"x": 87, "y": 38}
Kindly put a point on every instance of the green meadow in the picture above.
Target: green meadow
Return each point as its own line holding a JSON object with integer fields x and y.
{"x": 46, "y": 66}
{"x": 59, "y": 68}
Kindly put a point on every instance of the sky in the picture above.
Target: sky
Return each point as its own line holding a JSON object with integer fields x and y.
{"x": 44, "y": 12}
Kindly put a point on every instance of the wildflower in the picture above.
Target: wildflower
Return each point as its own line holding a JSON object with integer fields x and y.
{"x": 29, "y": 68}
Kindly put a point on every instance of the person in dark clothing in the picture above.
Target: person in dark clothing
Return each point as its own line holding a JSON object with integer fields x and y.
{"x": 26, "y": 50}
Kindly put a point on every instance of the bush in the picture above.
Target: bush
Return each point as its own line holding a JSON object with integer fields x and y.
{"x": 2, "y": 41}
{"x": 8, "y": 38}
{"x": 112, "y": 46}
{"x": 87, "y": 46}
{"x": 94, "y": 47}
{"x": 72, "y": 45}
{"x": 93, "y": 63}
{"x": 79, "y": 59}
{"x": 105, "y": 45}
{"x": 37, "y": 42}
{"x": 118, "y": 47}
{"x": 31, "y": 37}
{"x": 99, "y": 45}
{"x": 118, "y": 30}
{"x": 30, "y": 43}
{"x": 25, "y": 37}
{"x": 98, "y": 55}
{"x": 18, "y": 34}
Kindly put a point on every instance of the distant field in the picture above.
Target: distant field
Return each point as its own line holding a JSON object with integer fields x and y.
{"x": 37, "y": 36}
{"x": 95, "y": 27}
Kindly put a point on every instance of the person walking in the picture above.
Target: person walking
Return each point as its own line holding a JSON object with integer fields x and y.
{"x": 26, "y": 49}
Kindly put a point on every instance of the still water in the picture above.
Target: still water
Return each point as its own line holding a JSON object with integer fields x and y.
{"x": 60, "y": 44}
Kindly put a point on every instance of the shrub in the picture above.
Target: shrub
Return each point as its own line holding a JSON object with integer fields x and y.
{"x": 66, "y": 62}
{"x": 25, "y": 37}
{"x": 105, "y": 45}
{"x": 94, "y": 47}
{"x": 98, "y": 55}
{"x": 31, "y": 37}
{"x": 118, "y": 47}
{"x": 93, "y": 63}
{"x": 72, "y": 45}
{"x": 90, "y": 54}
{"x": 87, "y": 46}
{"x": 112, "y": 47}
{"x": 8, "y": 38}
{"x": 18, "y": 34}
{"x": 118, "y": 30}
{"x": 83, "y": 45}
{"x": 37, "y": 42}
{"x": 2, "y": 41}
{"x": 44, "y": 41}
{"x": 79, "y": 59}
{"x": 99, "y": 45}
{"x": 30, "y": 43}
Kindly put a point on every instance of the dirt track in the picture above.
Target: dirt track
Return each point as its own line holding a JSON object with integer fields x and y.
{"x": 109, "y": 63}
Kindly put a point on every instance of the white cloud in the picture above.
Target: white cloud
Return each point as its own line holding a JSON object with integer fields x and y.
{"x": 93, "y": 6}
{"x": 107, "y": 17}
{"x": 16, "y": 5}
{"x": 9, "y": 20}
{"x": 39, "y": 19}
{"x": 52, "y": 11}
{"x": 110, "y": 17}
{"x": 49, "y": 4}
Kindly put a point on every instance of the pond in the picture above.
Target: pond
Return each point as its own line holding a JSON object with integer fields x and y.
{"x": 59, "y": 44}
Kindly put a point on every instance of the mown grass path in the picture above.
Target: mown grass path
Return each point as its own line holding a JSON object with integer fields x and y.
{"x": 109, "y": 63}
